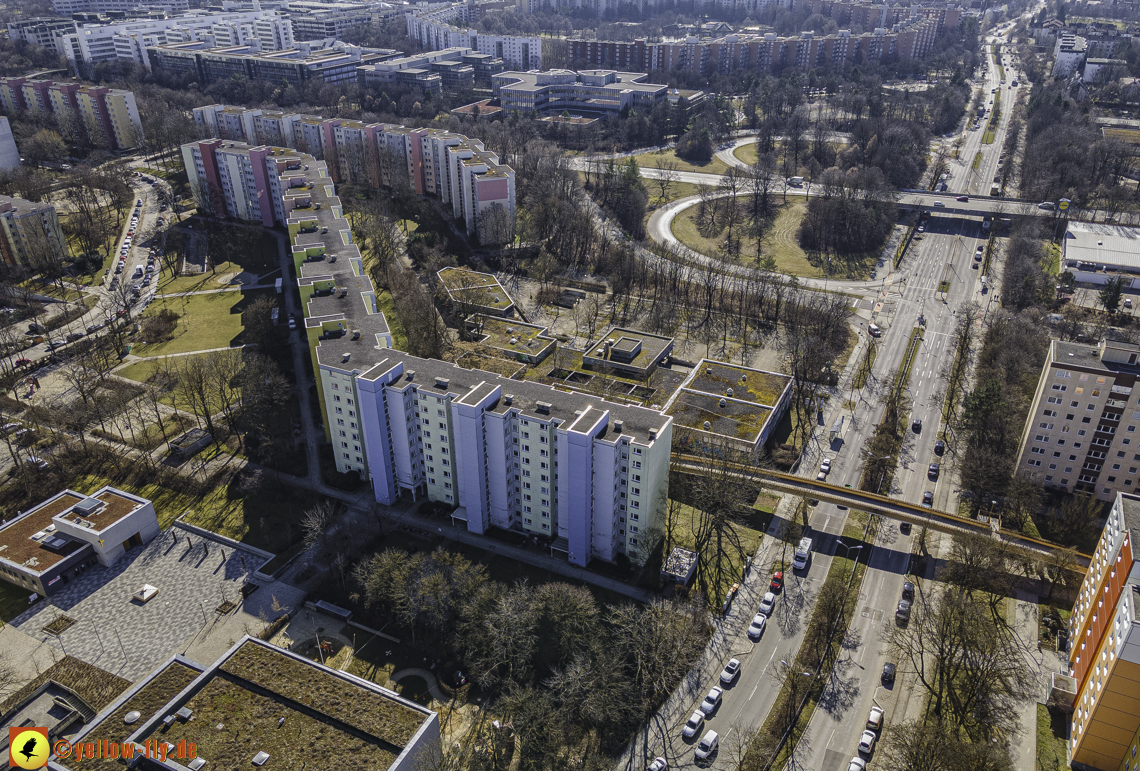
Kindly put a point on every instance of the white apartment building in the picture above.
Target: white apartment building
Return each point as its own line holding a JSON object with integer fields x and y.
{"x": 9, "y": 154}
{"x": 1081, "y": 433}
{"x": 516, "y": 455}
{"x": 69, "y": 7}
{"x": 1070, "y": 54}
{"x": 435, "y": 30}
{"x": 128, "y": 40}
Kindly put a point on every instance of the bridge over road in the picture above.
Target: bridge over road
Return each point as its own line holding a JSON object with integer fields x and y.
{"x": 932, "y": 519}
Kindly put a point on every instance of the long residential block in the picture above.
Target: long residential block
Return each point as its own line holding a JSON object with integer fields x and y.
{"x": 95, "y": 115}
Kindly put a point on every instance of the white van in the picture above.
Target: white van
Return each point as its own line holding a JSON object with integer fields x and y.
{"x": 874, "y": 330}
{"x": 803, "y": 554}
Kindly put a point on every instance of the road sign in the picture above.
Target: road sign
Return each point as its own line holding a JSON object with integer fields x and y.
{"x": 1064, "y": 204}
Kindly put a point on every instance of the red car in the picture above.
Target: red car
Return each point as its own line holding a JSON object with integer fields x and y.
{"x": 777, "y": 581}
{"x": 23, "y": 362}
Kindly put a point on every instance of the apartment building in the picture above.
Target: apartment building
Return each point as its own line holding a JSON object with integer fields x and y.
{"x": 594, "y": 90}
{"x": 25, "y": 228}
{"x": 313, "y": 21}
{"x": 1069, "y": 54}
{"x": 437, "y": 29}
{"x": 40, "y": 31}
{"x": 9, "y": 154}
{"x": 457, "y": 169}
{"x": 252, "y": 183}
{"x": 1104, "y": 655}
{"x": 110, "y": 117}
{"x": 452, "y": 69}
{"x": 128, "y": 41}
{"x": 1081, "y": 433}
{"x": 332, "y": 63}
{"x": 71, "y": 7}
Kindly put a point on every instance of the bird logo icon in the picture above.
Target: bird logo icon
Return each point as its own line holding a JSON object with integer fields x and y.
{"x": 28, "y": 747}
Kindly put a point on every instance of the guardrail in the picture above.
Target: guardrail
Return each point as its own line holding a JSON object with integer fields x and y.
{"x": 903, "y": 511}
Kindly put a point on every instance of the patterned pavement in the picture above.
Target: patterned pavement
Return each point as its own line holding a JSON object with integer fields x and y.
{"x": 114, "y": 632}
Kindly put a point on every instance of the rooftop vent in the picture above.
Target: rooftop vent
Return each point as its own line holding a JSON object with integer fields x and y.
{"x": 723, "y": 403}
{"x": 728, "y": 392}
{"x": 196, "y": 764}
{"x": 356, "y": 334}
{"x": 508, "y": 399}
{"x": 168, "y": 721}
{"x": 744, "y": 378}
{"x": 442, "y": 382}
{"x": 260, "y": 758}
{"x": 543, "y": 407}
{"x": 618, "y": 426}
{"x": 88, "y": 506}
{"x": 346, "y": 357}
{"x": 708, "y": 426}
{"x": 708, "y": 370}
{"x": 514, "y": 341}
{"x": 132, "y": 717}
{"x": 652, "y": 434}
{"x": 185, "y": 713}
{"x": 410, "y": 375}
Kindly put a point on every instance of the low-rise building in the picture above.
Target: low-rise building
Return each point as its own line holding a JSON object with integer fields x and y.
{"x": 628, "y": 352}
{"x": 1098, "y": 252}
{"x": 1082, "y": 425}
{"x": 452, "y": 70}
{"x": 328, "y": 713}
{"x": 729, "y": 406}
{"x": 604, "y": 91}
{"x": 511, "y": 338}
{"x": 1069, "y": 54}
{"x": 473, "y": 292}
{"x": 44, "y": 548}
{"x": 1104, "y": 649}
{"x": 1100, "y": 71}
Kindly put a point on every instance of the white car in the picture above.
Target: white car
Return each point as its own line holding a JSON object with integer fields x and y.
{"x": 825, "y": 465}
{"x": 875, "y": 719}
{"x": 767, "y": 604}
{"x": 693, "y": 726}
{"x": 867, "y": 742}
{"x": 857, "y": 764}
{"x": 658, "y": 764}
{"x": 712, "y": 701}
{"x": 706, "y": 747}
{"x": 756, "y": 628}
{"x": 731, "y": 670}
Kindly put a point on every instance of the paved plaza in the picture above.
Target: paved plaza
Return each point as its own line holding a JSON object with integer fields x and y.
{"x": 194, "y": 576}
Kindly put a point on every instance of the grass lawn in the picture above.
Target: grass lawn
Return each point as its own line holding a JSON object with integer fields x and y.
{"x": 205, "y": 321}
{"x": 746, "y": 153}
{"x": 143, "y": 371}
{"x": 1051, "y": 750}
{"x": 651, "y": 160}
{"x": 779, "y": 240}
{"x": 395, "y": 325}
{"x": 1052, "y": 263}
{"x": 750, "y": 537}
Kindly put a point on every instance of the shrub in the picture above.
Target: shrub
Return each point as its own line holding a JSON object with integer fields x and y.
{"x": 160, "y": 327}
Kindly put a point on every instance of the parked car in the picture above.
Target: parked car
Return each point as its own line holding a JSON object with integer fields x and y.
{"x": 707, "y": 746}
{"x": 756, "y": 628}
{"x": 777, "y": 582}
{"x": 857, "y": 764}
{"x": 932, "y": 472}
{"x": 94, "y": 328}
{"x": 902, "y": 612}
{"x": 888, "y": 675}
{"x": 730, "y": 671}
{"x": 23, "y": 362}
{"x": 939, "y": 447}
{"x": 658, "y": 764}
{"x": 38, "y": 462}
{"x": 908, "y": 591}
{"x": 767, "y": 604}
{"x": 875, "y": 719}
{"x": 904, "y": 528}
{"x": 825, "y": 465}
{"x": 693, "y": 725}
{"x": 867, "y": 742}
{"x": 71, "y": 338}
{"x": 712, "y": 701}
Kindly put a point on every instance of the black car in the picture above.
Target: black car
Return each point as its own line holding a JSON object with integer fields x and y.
{"x": 917, "y": 425}
{"x": 928, "y": 499}
{"x": 904, "y": 528}
{"x": 908, "y": 591}
{"x": 888, "y": 673}
{"x": 939, "y": 447}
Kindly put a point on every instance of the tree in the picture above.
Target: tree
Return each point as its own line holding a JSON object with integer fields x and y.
{"x": 315, "y": 524}
{"x": 257, "y": 321}
{"x": 1111, "y": 294}
{"x": 666, "y": 177}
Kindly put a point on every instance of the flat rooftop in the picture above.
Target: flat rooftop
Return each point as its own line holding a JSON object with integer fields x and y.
{"x": 17, "y": 546}
{"x": 633, "y": 348}
{"x": 737, "y": 419}
{"x": 747, "y": 384}
{"x": 750, "y": 399}
{"x": 1111, "y": 246}
{"x": 260, "y": 698}
{"x": 146, "y": 698}
{"x": 473, "y": 287}
{"x": 510, "y": 336}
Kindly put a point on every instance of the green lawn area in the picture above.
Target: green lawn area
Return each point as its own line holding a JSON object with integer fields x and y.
{"x": 269, "y": 519}
{"x": 651, "y": 160}
{"x": 13, "y": 601}
{"x": 750, "y": 537}
{"x": 746, "y": 153}
{"x": 1052, "y": 753}
{"x": 1052, "y": 263}
{"x": 142, "y": 371}
{"x": 779, "y": 240}
{"x": 395, "y": 325}
{"x": 205, "y": 321}
{"x": 988, "y": 136}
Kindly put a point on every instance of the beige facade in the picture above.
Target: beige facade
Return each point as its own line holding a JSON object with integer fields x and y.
{"x": 28, "y": 231}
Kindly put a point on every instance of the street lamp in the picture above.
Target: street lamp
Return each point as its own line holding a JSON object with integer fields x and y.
{"x": 848, "y": 549}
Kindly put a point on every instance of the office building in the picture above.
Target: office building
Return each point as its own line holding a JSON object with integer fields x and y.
{"x": 127, "y": 41}
{"x": 1081, "y": 432}
{"x": 452, "y": 70}
{"x": 316, "y": 21}
{"x": 9, "y": 154}
{"x": 1104, "y": 653}
{"x": 327, "y": 61}
{"x": 327, "y": 713}
{"x": 71, "y": 7}
{"x": 437, "y": 29}
{"x": 593, "y": 90}
{"x": 44, "y": 548}
{"x": 457, "y": 169}
{"x": 26, "y": 228}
